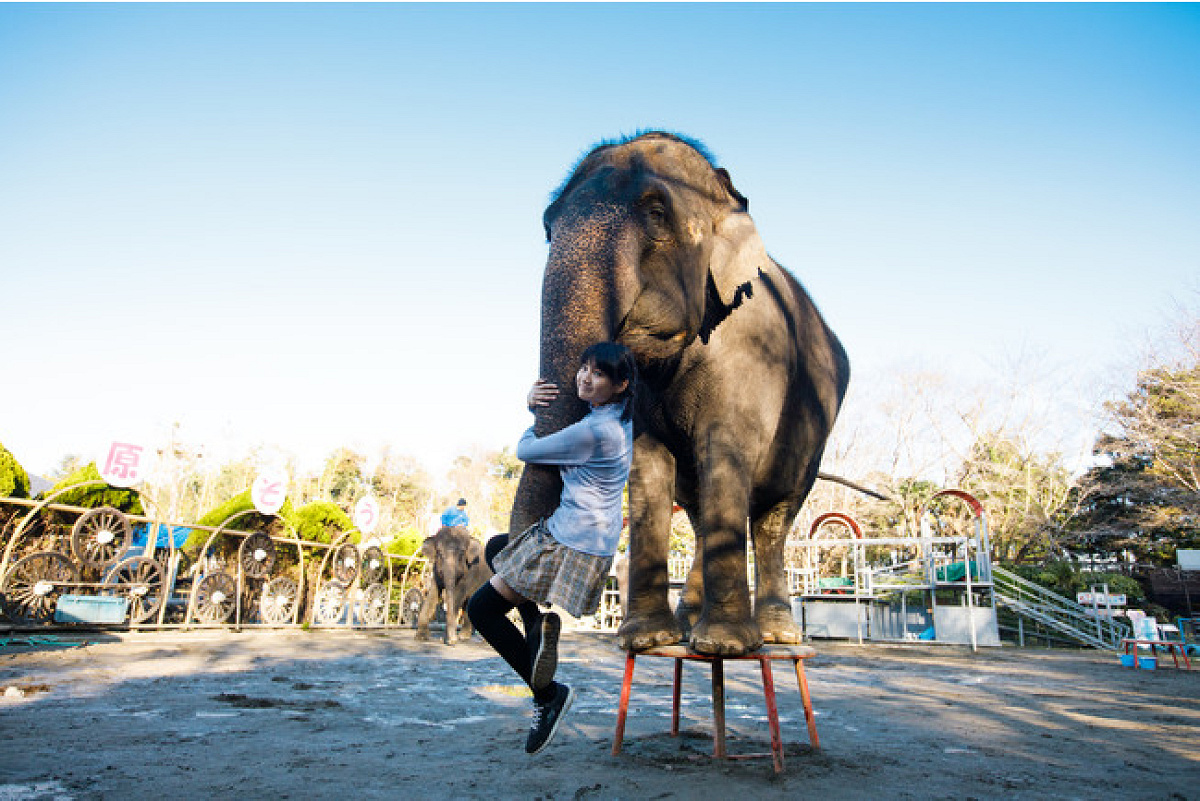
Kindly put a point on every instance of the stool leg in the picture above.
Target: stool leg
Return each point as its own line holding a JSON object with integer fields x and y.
{"x": 718, "y": 695}
{"x": 675, "y": 698}
{"x": 626, "y": 686}
{"x": 809, "y": 717}
{"x": 772, "y": 713}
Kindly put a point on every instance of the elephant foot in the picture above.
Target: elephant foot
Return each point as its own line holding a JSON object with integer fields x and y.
{"x": 778, "y": 625}
{"x": 726, "y": 637}
{"x": 422, "y": 636}
{"x": 640, "y": 632}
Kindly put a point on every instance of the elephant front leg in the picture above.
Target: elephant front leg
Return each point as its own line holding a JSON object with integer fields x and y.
{"x": 451, "y": 601}
{"x": 428, "y": 610}
{"x": 772, "y": 600}
{"x": 648, "y": 619}
{"x": 726, "y": 626}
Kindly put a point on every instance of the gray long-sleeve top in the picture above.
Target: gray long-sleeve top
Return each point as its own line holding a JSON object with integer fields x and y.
{"x": 594, "y": 456}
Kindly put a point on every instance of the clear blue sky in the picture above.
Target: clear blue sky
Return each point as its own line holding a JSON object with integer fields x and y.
{"x": 305, "y": 226}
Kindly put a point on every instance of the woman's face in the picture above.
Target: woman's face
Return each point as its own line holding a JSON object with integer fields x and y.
{"x": 595, "y": 386}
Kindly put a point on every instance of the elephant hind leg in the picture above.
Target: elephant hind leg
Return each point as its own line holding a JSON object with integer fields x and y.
{"x": 772, "y": 600}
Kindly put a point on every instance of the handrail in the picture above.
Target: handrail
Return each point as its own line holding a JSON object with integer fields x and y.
{"x": 1046, "y": 606}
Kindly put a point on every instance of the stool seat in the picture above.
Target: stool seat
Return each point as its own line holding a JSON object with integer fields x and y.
{"x": 681, "y": 653}
{"x": 766, "y": 651}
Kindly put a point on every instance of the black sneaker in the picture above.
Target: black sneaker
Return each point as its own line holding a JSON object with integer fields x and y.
{"x": 544, "y": 651}
{"x": 546, "y": 718}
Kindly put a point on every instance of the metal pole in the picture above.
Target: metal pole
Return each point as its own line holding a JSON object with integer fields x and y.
{"x": 970, "y": 596}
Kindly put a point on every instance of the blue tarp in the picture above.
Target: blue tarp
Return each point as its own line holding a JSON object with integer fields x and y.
{"x": 166, "y": 535}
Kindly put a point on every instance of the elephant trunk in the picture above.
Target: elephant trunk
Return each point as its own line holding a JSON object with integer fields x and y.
{"x": 580, "y": 306}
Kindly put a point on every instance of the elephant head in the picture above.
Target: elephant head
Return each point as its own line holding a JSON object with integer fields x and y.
{"x": 650, "y": 246}
{"x": 457, "y": 570}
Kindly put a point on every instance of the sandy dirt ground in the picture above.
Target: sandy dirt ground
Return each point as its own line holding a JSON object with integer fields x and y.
{"x": 352, "y": 715}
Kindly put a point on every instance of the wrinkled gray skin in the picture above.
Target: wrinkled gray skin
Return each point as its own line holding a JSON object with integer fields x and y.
{"x": 741, "y": 381}
{"x": 457, "y": 570}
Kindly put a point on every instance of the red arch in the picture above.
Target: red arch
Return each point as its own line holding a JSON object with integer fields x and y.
{"x": 850, "y": 522}
{"x": 966, "y": 497}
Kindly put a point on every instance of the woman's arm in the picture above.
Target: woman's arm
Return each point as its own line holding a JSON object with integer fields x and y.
{"x": 575, "y": 444}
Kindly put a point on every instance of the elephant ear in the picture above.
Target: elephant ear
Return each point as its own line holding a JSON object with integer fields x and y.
{"x": 428, "y": 548}
{"x": 737, "y": 256}
{"x": 474, "y": 553}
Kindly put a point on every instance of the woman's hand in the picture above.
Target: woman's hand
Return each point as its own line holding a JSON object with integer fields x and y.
{"x": 542, "y": 393}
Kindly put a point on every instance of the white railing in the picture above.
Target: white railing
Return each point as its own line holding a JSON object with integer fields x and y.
{"x": 1080, "y": 623}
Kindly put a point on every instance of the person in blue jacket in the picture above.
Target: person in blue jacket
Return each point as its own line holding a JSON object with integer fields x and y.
{"x": 457, "y": 515}
{"x": 564, "y": 559}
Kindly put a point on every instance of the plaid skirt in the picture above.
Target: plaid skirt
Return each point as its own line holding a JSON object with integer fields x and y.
{"x": 544, "y": 570}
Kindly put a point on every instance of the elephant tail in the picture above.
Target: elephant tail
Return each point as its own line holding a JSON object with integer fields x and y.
{"x": 845, "y": 482}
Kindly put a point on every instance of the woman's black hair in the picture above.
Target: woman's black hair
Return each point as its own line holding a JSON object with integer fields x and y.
{"x": 615, "y": 361}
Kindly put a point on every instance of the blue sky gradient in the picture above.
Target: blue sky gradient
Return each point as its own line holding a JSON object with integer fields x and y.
{"x": 306, "y": 226}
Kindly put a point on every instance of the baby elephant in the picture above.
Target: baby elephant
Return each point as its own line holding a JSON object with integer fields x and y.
{"x": 458, "y": 569}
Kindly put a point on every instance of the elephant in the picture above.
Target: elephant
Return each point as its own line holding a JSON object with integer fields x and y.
{"x": 458, "y": 569}
{"x": 740, "y": 381}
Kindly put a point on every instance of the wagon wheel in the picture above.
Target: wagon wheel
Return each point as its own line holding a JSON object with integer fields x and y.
{"x": 32, "y": 585}
{"x": 374, "y": 605}
{"x": 345, "y": 563}
{"x": 101, "y": 537}
{"x": 140, "y": 579}
{"x": 410, "y": 606}
{"x": 257, "y": 555}
{"x": 330, "y": 602}
{"x": 278, "y": 600}
{"x": 40, "y": 533}
{"x": 216, "y": 595}
{"x": 374, "y": 565}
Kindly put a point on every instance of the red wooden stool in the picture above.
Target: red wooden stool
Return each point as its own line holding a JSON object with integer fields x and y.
{"x": 796, "y": 653}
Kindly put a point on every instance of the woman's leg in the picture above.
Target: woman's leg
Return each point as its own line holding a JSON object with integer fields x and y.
{"x": 488, "y": 610}
{"x": 531, "y": 616}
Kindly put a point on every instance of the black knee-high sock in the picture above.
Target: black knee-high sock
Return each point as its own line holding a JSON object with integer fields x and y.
{"x": 531, "y": 616}
{"x": 488, "y": 610}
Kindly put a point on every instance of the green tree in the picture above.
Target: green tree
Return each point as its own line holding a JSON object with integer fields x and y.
{"x": 1030, "y": 498}
{"x": 406, "y": 542}
{"x": 321, "y": 521}
{"x": 342, "y": 480}
{"x": 1159, "y": 422}
{"x": 14, "y": 481}
{"x": 899, "y": 514}
{"x": 237, "y": 505}
{"x": 403, "y": 490}
{"x": 96, "y": 495}
{"x": 1144, "y": 496}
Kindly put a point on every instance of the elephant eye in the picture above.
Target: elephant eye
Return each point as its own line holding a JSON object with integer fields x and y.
{"x": 658, "y": 221}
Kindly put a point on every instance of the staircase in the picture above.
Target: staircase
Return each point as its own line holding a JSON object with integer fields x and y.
{"x": 1052, "y": 610}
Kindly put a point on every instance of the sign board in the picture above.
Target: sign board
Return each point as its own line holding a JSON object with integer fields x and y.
{"x": 269, "y": 491}
{"x": 1188, "y": 559}
{"x": 1100, "y": 599}
{"x": 123, "y": 464}
{"x": 366, "y": 514}
{"x": 1144, "y": 628}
